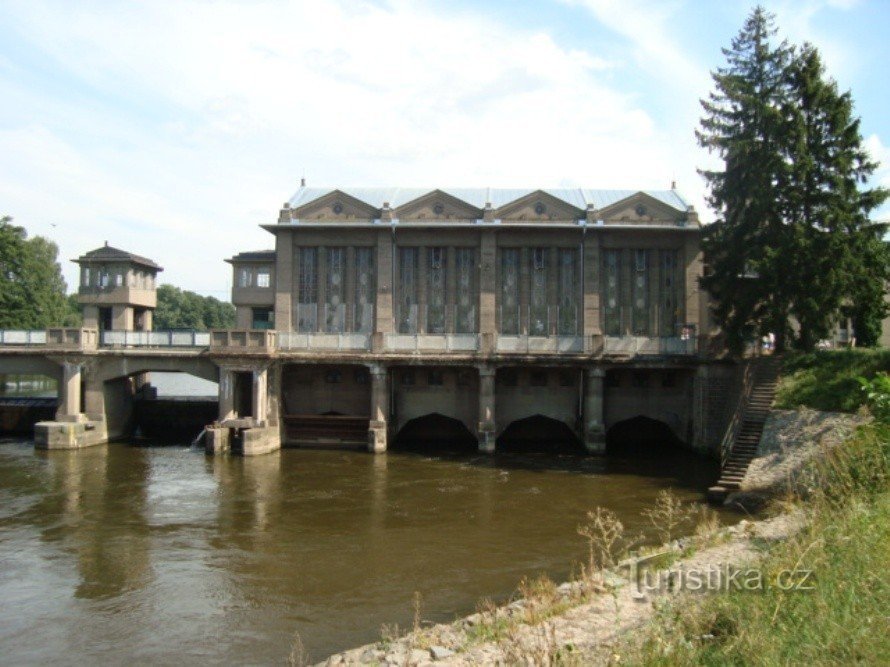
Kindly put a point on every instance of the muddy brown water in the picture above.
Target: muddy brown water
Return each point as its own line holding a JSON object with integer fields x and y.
{"x": 124, "y": 553}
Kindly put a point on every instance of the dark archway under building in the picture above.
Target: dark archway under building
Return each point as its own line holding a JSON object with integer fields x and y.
{"x": 539, "y": 434}
{"x": 435, "y": 433}
{"x": 642, "y": 436}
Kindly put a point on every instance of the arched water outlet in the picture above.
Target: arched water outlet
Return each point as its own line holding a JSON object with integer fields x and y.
{"x": 435, "y": 433}
{"x": 539, "y": 434}
{"x": 642, "y": 436}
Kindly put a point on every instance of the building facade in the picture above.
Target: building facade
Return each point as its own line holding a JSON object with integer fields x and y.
{"x": 483, "y": 306}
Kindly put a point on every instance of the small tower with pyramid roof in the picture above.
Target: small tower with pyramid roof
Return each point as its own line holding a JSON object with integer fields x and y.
{"x": 118, "y": 290}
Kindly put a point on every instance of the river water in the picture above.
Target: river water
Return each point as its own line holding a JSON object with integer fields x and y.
{"x": 135, "y": 554}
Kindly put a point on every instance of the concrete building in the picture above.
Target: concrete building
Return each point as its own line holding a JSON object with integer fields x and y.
{"x": 117, "y": 290}
{"x": 484, "y": 308}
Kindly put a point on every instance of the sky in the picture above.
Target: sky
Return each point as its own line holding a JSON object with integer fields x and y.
{"x": 174, "y": 129}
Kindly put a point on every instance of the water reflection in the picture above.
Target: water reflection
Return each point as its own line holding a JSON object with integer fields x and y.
{"x": 161, "y": 553}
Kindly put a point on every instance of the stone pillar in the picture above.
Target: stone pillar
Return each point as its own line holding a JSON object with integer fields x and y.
{"x": 91, "y": 317}
{"x": 487, "y": 429}
{"x": 487, "y": 287}
{"x": 69, "y": 391}
{"x": 260, "y": 396}
{"x": 284, "y": 280}
{"x": 148, "y": 321}
{"x": 226, "y": 394}
{"x": 377, "y": 427}
{"x": 593, "y": 420}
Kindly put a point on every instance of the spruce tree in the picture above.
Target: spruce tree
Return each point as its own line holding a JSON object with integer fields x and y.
{"x": 743, "y": 124}
{"x": 792, "y": 243}
{"x": 837, "y": 256}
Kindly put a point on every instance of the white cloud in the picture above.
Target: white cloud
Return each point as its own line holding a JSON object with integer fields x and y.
{"x": 190, "y": 122}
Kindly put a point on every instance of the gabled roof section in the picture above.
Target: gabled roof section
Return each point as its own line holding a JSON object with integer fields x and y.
{"x": 437, "y": 205}
{"x": 373, "y": 200}
{"x": 335, "y": 205}
{"x": 108, "y": 253}
{"x": 539, "y": 206}
{"x": 643, "y": 208}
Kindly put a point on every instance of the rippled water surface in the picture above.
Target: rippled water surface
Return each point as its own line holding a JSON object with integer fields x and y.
{"x": 159, "y": 554}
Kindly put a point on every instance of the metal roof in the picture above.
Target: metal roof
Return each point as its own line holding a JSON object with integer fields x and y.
{"x": 253, "y": 256}
{"x": 479, "y": 197}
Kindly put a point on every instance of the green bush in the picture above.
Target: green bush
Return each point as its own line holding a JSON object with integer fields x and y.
{"x": 877, "y": 395}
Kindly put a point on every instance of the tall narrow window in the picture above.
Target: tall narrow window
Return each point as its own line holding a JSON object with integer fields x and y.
{"x": 435, "y": 294}
{"x": 307, "y": 293}
{"x": 671, "y": 294}
{"x": 640, "y": 297}
{"x": 509, "y": 291}
{"x": 335, "y": 304}
{"x": 465, "y": 299}
{"x": 538, "y": 307}
{"x": 363, "y": 321}
{"x": 407, "y": 297}
{"x": 612, "y": 292}
{"x": 567, "y": 314}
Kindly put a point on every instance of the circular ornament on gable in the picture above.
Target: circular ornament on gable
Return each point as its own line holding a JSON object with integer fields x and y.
{"x": 640, "y": 210}
{"x": 540, "y": 209}
{"x": 438, "y": 209}
{"x": 338, "y": 208}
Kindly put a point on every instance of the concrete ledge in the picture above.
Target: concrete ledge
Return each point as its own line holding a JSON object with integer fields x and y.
{"x": 257, "y": 441}
{"x": 69, "y": 434}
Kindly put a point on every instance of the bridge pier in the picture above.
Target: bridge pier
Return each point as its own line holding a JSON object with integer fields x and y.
{"x": 71, "y": 429}
{"x": 487, "y": 428}
{"x": 380, "y": 392}
{"x": 236, "y": 431}
{"x": 592, "y": 411}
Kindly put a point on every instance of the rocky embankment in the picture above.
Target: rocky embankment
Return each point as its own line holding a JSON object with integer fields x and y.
{"x": 581, "y": 622}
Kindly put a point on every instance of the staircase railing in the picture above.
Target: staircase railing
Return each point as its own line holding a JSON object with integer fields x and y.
{"x": 738, "y": 414}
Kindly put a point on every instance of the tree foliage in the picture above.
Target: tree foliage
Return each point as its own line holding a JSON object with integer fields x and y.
{"x": 181, "y": 309}
{"x": 32, "y": 289}
{"x": 792, "y": 241}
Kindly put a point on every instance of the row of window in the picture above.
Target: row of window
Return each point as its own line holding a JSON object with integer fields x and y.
{"x": 539, "y": 290}
{"x": 104, "y": 278}
{"x": 254, "y": 277}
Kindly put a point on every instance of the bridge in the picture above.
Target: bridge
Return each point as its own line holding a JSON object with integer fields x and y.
{"x": 288, "y": 388}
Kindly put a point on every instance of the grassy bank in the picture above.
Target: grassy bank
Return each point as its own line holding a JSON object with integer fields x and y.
{"x": 840, "y": 617}
{"x": 826, "y": 380}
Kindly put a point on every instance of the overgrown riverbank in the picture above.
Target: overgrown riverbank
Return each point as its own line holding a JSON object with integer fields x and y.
{"x": 818, "y": 566}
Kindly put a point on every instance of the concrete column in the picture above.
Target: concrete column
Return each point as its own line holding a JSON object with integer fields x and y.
{"x": 69, "y": 391}
{"x": 226, "y": 394}
{"x": 284, "y": 280}
{"x": 487, "y": 289}
{"x": 260, "y": 396}
{"x": 91, "y": 317}
{"x": 487, "y": 429}
{"x": 94, "y": 394}
{"x": 591, "y": 299}
{"x": 450, "y": 289}
{"x": 700, "y": 384}
{"x": 383, "y": 322}
{"x": 148, "y": 320}
{"x": 594, "y": 426}
{"x": 377, "y": 428}
{"x": 122, "y": 318}
{"x": 693, "y": 263}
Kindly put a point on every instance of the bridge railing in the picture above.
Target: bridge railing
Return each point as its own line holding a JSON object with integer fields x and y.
{"x": 431, "y": 342}
{"x": 649, "y": 345}
{"x": 113, "y": 338}
{"x": 540, "y": 344}
{"x": 294, "y": 341}
{"x": 22, "y": 337}
{"x": 243, "y": 340}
